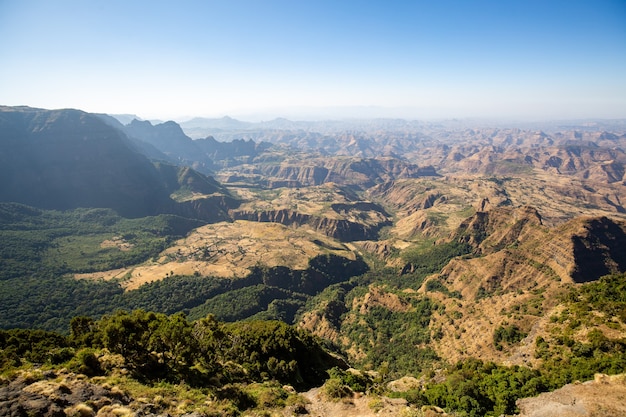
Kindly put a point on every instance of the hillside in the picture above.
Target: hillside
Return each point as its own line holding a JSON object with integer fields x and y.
{"x": 65, "y": 159}
{"x": 451, "y": 259}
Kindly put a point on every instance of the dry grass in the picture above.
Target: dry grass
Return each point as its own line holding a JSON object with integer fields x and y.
{"x": 228, "y": 250}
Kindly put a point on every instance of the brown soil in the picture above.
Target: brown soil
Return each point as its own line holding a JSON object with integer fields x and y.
{"x": 229, "y": 250}
{"x": 356, "y": 406}
{"x": 117, "y": 242}
{"x": 605, "y": 396}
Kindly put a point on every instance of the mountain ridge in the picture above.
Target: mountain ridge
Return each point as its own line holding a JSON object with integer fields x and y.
{"x": 67, "y": 158}
{"x": 485, "y": 262}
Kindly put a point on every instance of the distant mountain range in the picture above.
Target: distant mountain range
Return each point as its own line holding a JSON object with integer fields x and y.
{"x": 63, "y": 159}
{"x": 68, "y": 158}
{"x": 480, "y": 263}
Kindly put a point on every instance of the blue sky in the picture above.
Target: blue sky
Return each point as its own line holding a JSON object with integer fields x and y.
{"x": 512, "y": 59}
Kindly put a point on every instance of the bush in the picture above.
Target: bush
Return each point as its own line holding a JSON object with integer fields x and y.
{"x": 86, "y": 362}
{"x": 240, "y": 398}
{"x": 507, "y": 334}
{"x": 60, "y": 355}
{"x": 334, "y": 389}
{"x": 353, "y": 379}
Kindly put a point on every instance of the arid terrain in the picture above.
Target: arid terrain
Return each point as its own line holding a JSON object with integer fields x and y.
{"x": 457, "y": 257}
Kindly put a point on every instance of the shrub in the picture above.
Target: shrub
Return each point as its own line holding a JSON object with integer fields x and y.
{"x": 86, "y": 362}
{"x": 60, "y": 355}
{"x": 334, "y": 389}
{"x": 507, "y": 334}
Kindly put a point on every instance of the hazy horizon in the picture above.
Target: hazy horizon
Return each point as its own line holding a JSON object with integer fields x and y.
{"x": 518, "y": 60}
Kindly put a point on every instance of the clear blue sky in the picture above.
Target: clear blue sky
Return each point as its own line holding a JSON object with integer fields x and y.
{"x": 417, "y": 59}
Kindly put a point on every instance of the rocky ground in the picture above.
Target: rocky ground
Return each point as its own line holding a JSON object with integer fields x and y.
{"x": 357, "y": 406}
{"x": 61, "y": 394}
{"x": 605, "y": 396}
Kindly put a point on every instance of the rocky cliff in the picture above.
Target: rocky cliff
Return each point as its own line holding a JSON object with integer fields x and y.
{"x": 523, "y": 264}
{"x": 341, "y": 229}
{"x": 360, "y": 173}
{"x": 65, "y": 159}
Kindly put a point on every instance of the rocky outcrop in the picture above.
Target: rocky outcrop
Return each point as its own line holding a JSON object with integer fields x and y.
{"x": 492, "y": 230}
{"x": 408, "y": 195}
{"x": 378, "y": 297}
{"x": 73, "y": 395}
{"x": 325, "y": 321}
{"x": 344, "y": 208}
{"x": 340, "y": 229}
{"x": 304, "y": 175}
{"x": 362, "y": 173}
{"x": 601, "y": 397}
{"x": 381, "y": 249}
{"x": 210, "y": 209}
{"x": 598, "y": 249}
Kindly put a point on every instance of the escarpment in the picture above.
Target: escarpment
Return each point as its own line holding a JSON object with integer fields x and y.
{"x": 362, "y": 173}
{"x": 496, "y": 228}
{"x": 341, "y": 229}
{"x": 210, "y": 209}
{"x": 519, "y": 251}
{"x": 523, "y": 270}
{"x": 598, "y": 249}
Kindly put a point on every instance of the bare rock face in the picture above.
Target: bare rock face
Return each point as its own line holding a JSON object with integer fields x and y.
{"x": 341, "y": 229}
{"x": 378, "y": 297}
{"x": 604, "y": 396}
{"x": 520, "y": 254}
{"x": 381, "y": 249}
{"x": 325, "y": 322}
{"x": 496, "y": 228}
{"x": 72, "y": 395}
{"x": 598, "y": 249}
{"x": 358, "y": 172}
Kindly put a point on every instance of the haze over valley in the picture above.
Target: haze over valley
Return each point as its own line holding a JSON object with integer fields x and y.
{"x": 405, "y": 245}
{"x": 332, "y": 209}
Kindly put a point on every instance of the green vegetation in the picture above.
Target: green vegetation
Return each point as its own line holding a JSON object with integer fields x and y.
{"x": 425, "y": 260}
{"x": 476, "y": 388}
{"x": 343, "y": 383}
{"x": 174, "y": 294}
{"x": 40, "y": 249}
{"x": 244, "y": 364}
{"x": 157, "y": 347}
{"x": 607, "y": 295}
{"x": 277, "y": 293}
{"x": 248, "y": 301}
{"x": 230, "y": 300}
{"x": 399, "y": 338}
{"x": 186, "y": 341}
{"x": 48, "y": 301}
{"x": 34, "y": 241}
{"x": 436, "y": 285}
{"x": 507, "y": 335}
{"x": 571, "y": 353}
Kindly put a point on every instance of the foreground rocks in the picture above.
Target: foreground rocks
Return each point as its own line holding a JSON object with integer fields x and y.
{"x": 52, "y": 394}
{"x": 604, "y": 396}
{"x": 59, "y": 396}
